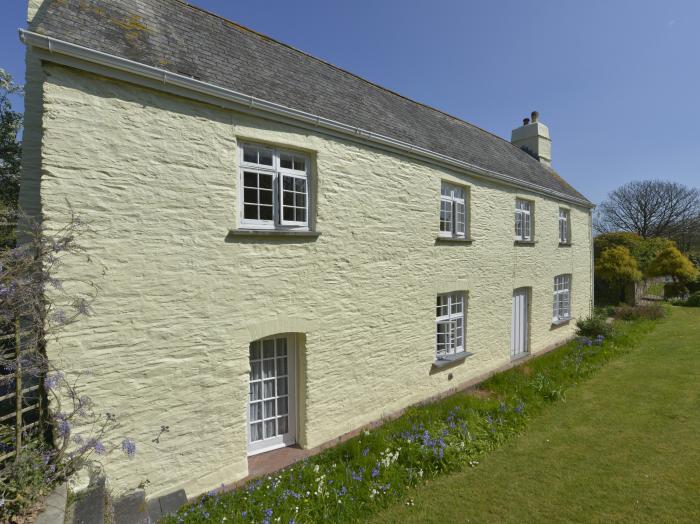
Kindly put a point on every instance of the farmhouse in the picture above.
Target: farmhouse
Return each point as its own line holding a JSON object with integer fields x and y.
{"x": 285, "y": 252}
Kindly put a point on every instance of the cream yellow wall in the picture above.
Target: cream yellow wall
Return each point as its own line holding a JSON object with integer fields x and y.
{"x": 167, "y": 344}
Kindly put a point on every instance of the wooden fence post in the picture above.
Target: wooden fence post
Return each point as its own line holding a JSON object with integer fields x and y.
{"x": 18, "y": 390}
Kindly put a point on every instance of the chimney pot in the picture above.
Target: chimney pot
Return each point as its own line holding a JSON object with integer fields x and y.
{"x": 526, "y": 121}
{"x": 535, "y": 116}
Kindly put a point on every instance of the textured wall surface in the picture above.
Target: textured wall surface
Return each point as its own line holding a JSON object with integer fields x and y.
{"x": 179, "y": 303}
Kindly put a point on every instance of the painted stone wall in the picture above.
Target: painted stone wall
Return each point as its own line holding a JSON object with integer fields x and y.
{"x": 180, "y": 300}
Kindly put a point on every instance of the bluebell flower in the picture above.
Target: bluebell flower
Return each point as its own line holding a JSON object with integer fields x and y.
{"x": 365, "y": 452}
{"x": 375, "y": 471}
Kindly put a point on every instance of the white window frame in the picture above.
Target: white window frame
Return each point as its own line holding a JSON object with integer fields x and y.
{"x": 564, "y": 226}
{"x": 561, "y": 306}
{"x": 279, "y": 174}
{"x": 454, "y": 198}
{"x": 524, "y": 219}
{"x": 454, "y": 324}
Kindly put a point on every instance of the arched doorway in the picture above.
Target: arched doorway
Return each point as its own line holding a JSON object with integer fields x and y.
{"x": 272, "y": 393}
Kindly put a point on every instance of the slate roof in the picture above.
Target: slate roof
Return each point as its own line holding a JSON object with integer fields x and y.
{"x": 184, "y": 39}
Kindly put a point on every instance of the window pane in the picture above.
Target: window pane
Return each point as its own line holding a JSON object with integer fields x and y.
{"x": 270, "y": 408}
{"x": 282, "y": 386}
{"x": 286, "y": 162}
{"x": 255, "y": 370}
{"x": 265, "y": 157}
{"x": 256, "y": 432}
{"x": 265, "y": 181}
{"x": 268, "y": 348}
{"x": 282, "y": 406}
{"x": 250, "y": 196}
{"x": 288, "y": 183}
{"x": 270, "y": 428}
{"x": 300, "y": 200}
{"x": 299, "y": 164}
{"x": 268, "y": 368}
{"x": 255, "y": 391}
{"x": 250, "y": 179}
{"x": 301, "y": 215}
{"x": 255, "y": 350}
{"x": 256, "y": 411}
{"x": 300, "y": 185}
{"x": 250, "y": 154}
{"x": 265, "y": 197}
{"x": 283, "y": 425}
{"x": 269, "y": 388}
{"x": 266, "y": 213}
{"x": 288, "y": 214}
{"x": 288, "y": 198}
{"x": 281, "y": 347}
{"x": 281, "y": 366}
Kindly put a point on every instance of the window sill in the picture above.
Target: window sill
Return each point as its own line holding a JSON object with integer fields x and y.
{"x": 449, "y": 360}
{"x": 524, "y": 242}
{"x": 561, "y": 322}
{"x": 248, "y": 233}
{"x": 565, "y": 244}
{"x": 453, "y": 240}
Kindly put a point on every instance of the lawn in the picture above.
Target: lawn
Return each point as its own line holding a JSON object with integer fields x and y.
{"x": 623, "y": 447}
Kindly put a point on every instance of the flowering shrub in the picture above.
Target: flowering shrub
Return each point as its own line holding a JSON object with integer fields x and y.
{"x": 355, "y": 479}
{"x": 34, "y": 303}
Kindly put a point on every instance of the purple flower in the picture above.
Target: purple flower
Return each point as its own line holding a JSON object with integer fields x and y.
{"x": 99, "y": 447}
{"x": 52, "y": 381}
{"x": 63, "y": 428}
{"x": 365, "y": 451}
{"x": 375, "y": 471}
{"x": 59, "y": 317}
{"x": 129, "y": 447}
{"x": 357, "y": 476}
{"x": 519, "y": 408}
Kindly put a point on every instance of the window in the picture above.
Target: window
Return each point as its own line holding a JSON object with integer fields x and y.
{"x": 449, "y": 318}
{"x": 275, "y": 188}
{"x": 453, "y": 211}
{"x": 523, "y": 220}
{"x": 564, "y": 226}
{"x": 562, "y": 298}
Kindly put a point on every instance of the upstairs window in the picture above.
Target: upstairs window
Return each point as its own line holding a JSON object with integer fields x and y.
{"x": 523, "y": 220}
{"x": 274, "y": 188}
{"x": 453, "y": 211}
{"x": 562, "y": 298}
{"x": 449, "y": 319}
{"x": 564, "y": 226}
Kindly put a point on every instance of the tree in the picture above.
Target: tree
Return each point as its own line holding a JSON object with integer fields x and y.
{"x": 617, "y": 266}
{"x": 644, "y": 251}
{"x": 10, "y": 146}
{"x": 653, "y": 208}
{"x": 671, "y": 262}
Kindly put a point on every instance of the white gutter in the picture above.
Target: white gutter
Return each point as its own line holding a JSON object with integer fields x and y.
{"x": 55, "y": 46}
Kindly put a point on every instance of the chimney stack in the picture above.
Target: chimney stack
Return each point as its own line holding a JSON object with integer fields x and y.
{"x": 533, "y": 138}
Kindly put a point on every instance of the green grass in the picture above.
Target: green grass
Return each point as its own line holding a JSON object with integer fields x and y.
{"x": 624, "y": 447}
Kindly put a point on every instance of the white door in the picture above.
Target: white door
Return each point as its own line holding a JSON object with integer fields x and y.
{"x": 271, "y": 405}
{"x": 519, "y": 335}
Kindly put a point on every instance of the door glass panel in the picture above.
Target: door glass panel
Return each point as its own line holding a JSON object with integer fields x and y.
{"x": 256, "y": 432}
{"x": 269, "y": 388}
{"x": 256, "y": 411}
{"x": 255, "y": 391}
{"x": 281, "y": 386}
{"x": 270, "y": 427}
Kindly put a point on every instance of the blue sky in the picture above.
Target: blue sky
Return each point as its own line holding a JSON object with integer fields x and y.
{"x": 616, "y": 81}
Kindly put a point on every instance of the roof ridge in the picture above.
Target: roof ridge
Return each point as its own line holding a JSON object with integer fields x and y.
{"x": 345, "y": 71}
